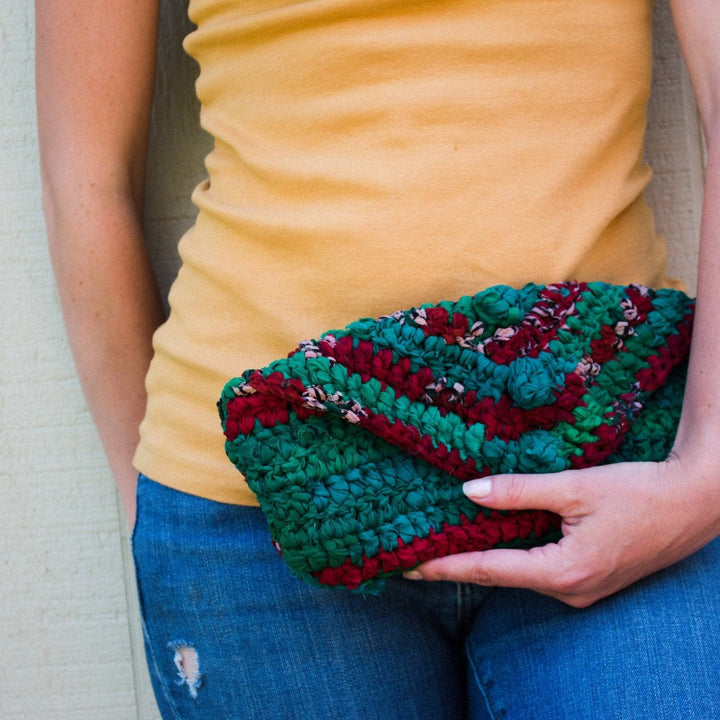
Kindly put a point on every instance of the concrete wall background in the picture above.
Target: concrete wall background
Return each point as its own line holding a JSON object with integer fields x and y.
{"x": 68, "y": 625}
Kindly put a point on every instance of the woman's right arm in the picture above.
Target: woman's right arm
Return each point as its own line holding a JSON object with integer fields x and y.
{"x": 95, "y": 63}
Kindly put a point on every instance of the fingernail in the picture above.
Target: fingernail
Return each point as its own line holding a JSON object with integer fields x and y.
{"x": 477, "y": 488}
{"x": 412, "y": 575}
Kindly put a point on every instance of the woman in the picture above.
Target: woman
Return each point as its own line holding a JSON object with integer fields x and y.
{"x": 370, "y": 156}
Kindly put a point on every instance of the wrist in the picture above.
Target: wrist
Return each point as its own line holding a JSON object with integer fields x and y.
{"x": 694, "y": 470}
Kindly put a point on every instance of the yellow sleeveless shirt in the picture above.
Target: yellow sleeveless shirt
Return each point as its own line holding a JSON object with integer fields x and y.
{"x": 372, "y": 155}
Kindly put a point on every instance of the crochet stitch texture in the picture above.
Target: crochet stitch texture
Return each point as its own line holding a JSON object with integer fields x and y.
{"x": 357, "y": 444}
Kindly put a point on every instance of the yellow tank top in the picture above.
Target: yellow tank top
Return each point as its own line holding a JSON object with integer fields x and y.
{"x": 371, "y": 155}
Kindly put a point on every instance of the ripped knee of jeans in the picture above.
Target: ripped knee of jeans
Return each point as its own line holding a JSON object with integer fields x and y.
{"x": 187, "y": 664}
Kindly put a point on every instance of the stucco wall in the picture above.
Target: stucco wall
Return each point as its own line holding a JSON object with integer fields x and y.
{"x": 68, "y": 625}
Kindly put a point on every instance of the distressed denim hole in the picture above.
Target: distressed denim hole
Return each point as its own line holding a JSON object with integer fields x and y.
{"x": 188, "y": 667}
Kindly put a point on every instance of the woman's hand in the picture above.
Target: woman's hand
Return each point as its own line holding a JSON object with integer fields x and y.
{"x": 620, "y": 523}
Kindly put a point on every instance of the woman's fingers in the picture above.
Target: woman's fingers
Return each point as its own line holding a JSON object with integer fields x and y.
{"x": 559, "y": 492}
{"x": 604, "y": 525}
{"x": 505, "y": 568}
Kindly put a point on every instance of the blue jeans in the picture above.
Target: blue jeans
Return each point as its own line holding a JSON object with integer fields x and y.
{"x": 230, "y": 634}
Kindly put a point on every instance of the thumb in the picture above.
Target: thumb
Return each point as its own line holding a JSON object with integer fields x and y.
{"x": 557, "y": 492}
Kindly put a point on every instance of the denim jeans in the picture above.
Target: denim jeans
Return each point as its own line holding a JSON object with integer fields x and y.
{"x": 231, "y": 635}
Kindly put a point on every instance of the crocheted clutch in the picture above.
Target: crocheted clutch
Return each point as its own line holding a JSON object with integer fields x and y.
{"x": 357, "y": 443}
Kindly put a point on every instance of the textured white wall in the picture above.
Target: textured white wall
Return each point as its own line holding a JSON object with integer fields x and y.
{"x": 675, "y": 149}
{"x": 68, "y": 625}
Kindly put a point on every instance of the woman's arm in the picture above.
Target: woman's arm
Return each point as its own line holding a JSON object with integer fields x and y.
{"x": 622, "y": 522}
{"x": 698, "y": 28}
{"x": 94, "y": 71}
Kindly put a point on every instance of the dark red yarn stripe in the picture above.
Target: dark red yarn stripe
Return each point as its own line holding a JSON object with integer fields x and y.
{"x": 539, "y": 328}
{"x": 276, "y": 393}
{"x": 532, "y": 335}
{"x": 642, "y": 303}
{"x": 482, "y": 534}
{"x": 609, "y": 435}
{"x": 649, "y": 379}
{"x": 413, "y": 442}
{"x": 439, "y": 323}
{"x": 271, "y": 403}
{"x": 502, "y": 418}
{"x": 662, "y": 364}
{"x": 271, "y": 411}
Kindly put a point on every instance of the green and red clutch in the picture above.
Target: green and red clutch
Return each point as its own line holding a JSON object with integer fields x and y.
{"x": 357, "y": 443}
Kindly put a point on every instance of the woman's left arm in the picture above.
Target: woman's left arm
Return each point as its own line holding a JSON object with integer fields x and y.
{"x": 625, "y": 521}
